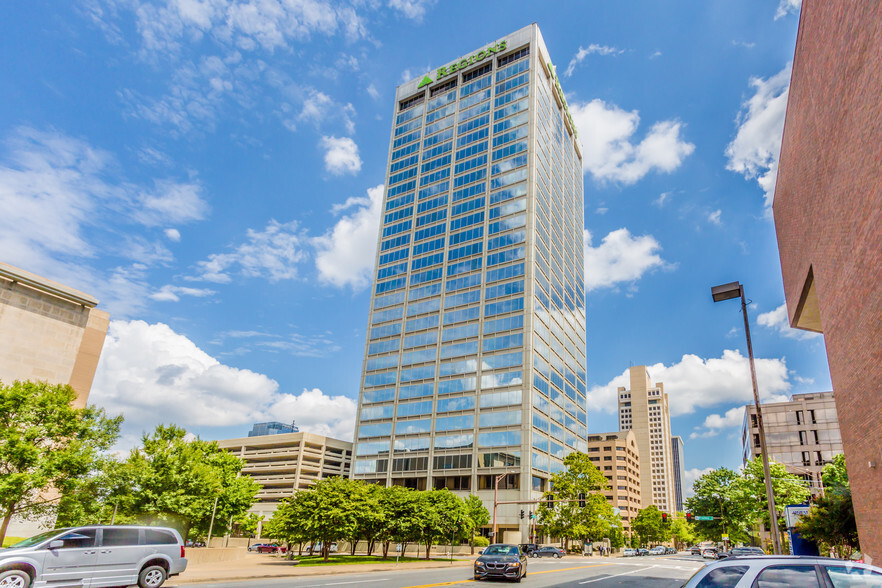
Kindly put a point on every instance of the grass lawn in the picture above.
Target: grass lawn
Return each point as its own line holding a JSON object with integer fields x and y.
{"x": 336, "y": 559}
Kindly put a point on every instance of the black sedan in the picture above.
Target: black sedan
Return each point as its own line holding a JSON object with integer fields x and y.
{"x": 548, "y": 551}
{"x": 501, "y": 560}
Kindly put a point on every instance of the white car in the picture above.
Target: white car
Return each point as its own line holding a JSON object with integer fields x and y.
{"x": 628, "y": 552}
{"x": 785, "y": 570}
{"x": 658, "y": 550}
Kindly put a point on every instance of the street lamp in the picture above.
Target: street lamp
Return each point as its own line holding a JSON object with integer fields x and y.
{"x": 727, "y": 292}
{"x": 496, "y": 501}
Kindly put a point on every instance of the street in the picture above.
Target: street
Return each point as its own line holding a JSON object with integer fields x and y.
{"x": 648, "y": 572}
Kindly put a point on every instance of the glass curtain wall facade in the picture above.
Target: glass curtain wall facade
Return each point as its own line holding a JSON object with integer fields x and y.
{"x": 475, "y": 355}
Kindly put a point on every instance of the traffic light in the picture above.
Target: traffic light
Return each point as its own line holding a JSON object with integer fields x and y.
{"x": 581, "y": 500}
{"x": 522, "y": 513}
{"x": 551, "y": 501}
{"x": 664, "y": 517}
{"x": 532, "y": 515}
{"x": 688, "y": 517}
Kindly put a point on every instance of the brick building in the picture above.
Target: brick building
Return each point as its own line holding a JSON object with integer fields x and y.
{"x": 828, "y": 217}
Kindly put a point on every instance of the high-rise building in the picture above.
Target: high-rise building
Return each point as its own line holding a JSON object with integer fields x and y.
{"x": 475, "y": 355}
{"x": 644, "y": 410}
{"x": 272, "y": 428}
{"x": 678, "y": 468}
{"x": 803, "y": 434}
{"x": 617, "y": 457}
{"x": 828, "y": 214}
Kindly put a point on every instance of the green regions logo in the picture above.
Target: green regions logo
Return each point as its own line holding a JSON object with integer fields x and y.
{"x": 463, "y": 63}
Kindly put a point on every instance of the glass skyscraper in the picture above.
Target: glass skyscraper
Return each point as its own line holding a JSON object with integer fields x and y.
{"x": 475, "y": 355}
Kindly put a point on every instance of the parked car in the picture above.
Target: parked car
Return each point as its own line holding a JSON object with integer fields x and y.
{"x": 743, "y": 551}
{"x": 549, "y": 551}
{"x": 671, "y": 551}
{"x": 629, "y": 552}
{"x": 785, "y": 570}
{"x": 271, "y": 548}
{"x": 695, "y": 550}
{"x": 317, "y": 549}
{"x": 501, "y": 560}
{"x": 256, "y": 546}
{"x": 657, "y": 550}
{"x": 709, "y": 553}
{"x": 94, "y": 555}
{"x": 642, "y": 551}
{"x": 528, "y": 548}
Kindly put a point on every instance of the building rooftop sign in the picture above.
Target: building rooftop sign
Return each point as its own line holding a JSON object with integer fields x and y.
{"x": 464, "y": 63}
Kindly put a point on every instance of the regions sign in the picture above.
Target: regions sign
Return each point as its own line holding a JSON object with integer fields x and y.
{"x": 464, "y": 63}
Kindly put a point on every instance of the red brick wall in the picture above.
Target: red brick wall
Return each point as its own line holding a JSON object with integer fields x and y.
{"x": 828, "y": 216}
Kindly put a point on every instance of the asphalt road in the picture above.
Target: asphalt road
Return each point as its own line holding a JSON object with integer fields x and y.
{"x": 645, "y": 572}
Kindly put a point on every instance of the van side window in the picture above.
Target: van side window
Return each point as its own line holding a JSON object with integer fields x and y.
{"x": 119, "y": 537}
{"x": 79, "y": 539}
{"x": 159, "y": 537}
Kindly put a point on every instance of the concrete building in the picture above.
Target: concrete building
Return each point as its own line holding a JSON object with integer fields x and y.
{"x": 644, "y": 410}
{"x": 50, "y": 332}
{"x": 828, "y": 218}
{"x": 286, "y": 462}
{"x": 271, "y": 428}
{"x": 802, "y": 434}
{"x": 616, "y": 455}
{"x": 475, "y": 355}
{"x": 678, "y": 467}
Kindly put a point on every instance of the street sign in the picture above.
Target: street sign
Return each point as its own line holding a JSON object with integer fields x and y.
{"x": 701, "y": 518}
{"x": 725, "y": 537}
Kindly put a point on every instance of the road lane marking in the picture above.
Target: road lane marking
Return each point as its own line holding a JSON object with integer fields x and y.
{"x": 616, "y": 575}
{"x": 529, "y": 573}
{"x": 355, "y": 582}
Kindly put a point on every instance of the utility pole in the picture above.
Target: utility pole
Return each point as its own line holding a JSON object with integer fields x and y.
{"x": 495, "y": 503}
{"x": 211, "y": 525}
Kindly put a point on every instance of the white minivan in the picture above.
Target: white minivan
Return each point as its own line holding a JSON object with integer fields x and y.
{"x": 94, "y": 556}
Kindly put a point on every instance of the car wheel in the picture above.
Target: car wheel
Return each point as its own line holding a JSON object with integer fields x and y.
{"x": 152, "y": 577}
{"x": 15, "y": 579}
{"x": 557, "y": 556}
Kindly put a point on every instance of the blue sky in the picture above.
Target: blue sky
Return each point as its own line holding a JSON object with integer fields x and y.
{"x": 211, "y": 170}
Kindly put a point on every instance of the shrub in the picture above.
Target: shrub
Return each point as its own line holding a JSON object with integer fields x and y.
{"x": 481, "y": 541}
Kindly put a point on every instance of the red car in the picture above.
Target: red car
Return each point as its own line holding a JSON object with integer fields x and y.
{"x": 269, "y": 548}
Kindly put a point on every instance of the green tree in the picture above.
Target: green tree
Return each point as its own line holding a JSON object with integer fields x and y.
{"x": 719, "y": 493}
{"x": 569, "y": 520}
{"x": 835, "y": 474}
{"x": 751, "y": 490}
{"x": 681, "y": 530}
{"x": 47, "y": 446}
{"x": 101, "y": 497}
{"x": 401, "y": 510}
{"x": 477, "y": 516}
{"x": 371, "y": 521}
{"x": 649, "y": 525}
{"x": 831, "y": 521}
{"x": 287, "y": 522}
{"x": 442, "y": 517}
{"x": 176, "y": 479}
{"x": 248, "y": 522}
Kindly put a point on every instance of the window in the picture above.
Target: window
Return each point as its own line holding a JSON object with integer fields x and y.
{"x": 776, "y": 576}
{"x": 82, "y": 538}
{"x": 852, "y": 577}
{"x": 119, "y": 537}
{"x": 156, "y": 537}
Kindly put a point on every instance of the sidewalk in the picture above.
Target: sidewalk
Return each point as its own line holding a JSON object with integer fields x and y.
{"x": 255, "y": 566}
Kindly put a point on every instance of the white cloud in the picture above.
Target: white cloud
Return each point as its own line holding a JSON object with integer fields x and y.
{"x": 691, "y": 476}
{"x": 148, "y": 372}
{"x": 319, "y": 107}
{"x": 413, "y": 9}
{"x": 373, "y": 92}
{"x": 592, "y": 49}
{"x": 173, "y": 235}
{"x": 620, "y": 258}
{"x": 341, "y": 155}
{"x": 66, "y": 203}
{"x": 170, "y": 293}
{"x": 786, "y": 7}
{"x": 606, "y": 132}
{"x": 714, "y": 423}
{"x": 272, "y": 253}
{"x": 714, "y": 217}
{"x": 756, "y": 147}
{"x": 694, "y": 383}
{"x": 345, "y": 255}
{"x": 662, "y": 198}
{"x": 777, "y": 320}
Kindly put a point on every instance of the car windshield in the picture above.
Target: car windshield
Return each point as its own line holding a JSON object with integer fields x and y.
{"x": 38, "y": 538}
{"x": 501, "y": 550}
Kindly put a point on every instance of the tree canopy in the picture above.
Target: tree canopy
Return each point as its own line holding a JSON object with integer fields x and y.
{"x": 831, "y": 521}
{"x": 47, "y": 446}
{"x": 649, "y": 526}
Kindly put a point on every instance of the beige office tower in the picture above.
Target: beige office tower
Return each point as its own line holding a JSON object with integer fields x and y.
{"x": 475, "y": 354}
{"x": 617, "y": 457}
{"x": 644, "y": 410}
{"x": 803, "y": 434}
